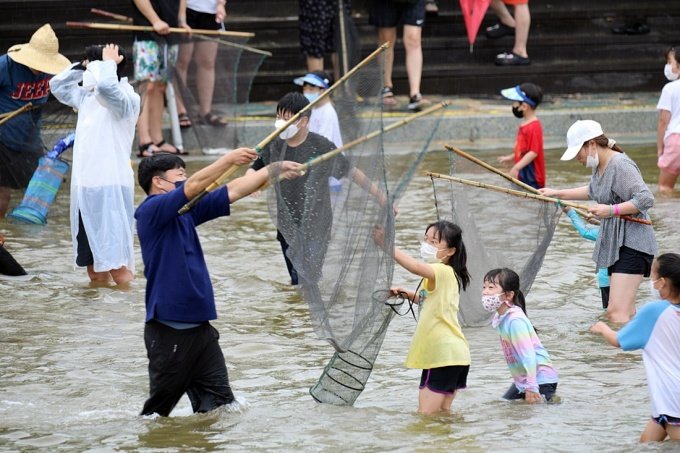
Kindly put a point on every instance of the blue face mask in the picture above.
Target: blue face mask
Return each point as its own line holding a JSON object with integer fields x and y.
{"x": 311, "y": 97}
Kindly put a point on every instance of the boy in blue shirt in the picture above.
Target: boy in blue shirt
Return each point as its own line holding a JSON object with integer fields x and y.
{"x": 182, "y": 347}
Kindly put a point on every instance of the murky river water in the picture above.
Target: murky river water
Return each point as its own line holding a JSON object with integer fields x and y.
{"x": 73, "y": 366}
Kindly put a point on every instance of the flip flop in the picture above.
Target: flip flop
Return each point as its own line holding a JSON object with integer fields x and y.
{"x": 174, "y": 150}
{"x": 184, "y": 120}
{"x": 146, "y": 150}
{"x": 213, "y": 120}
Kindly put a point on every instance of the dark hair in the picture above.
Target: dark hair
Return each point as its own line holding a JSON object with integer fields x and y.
{"x": 156, "y": 165}
{"x": 603, "y": 141}
{"x": 533, "y": 92}
{"x": 292, "y": 103}
{"x": 668, "y": 267}
{"x": 94, "y": 53}
{"x": 453, "y": 235}
{"x": 508, "y": 280}
{"x": 670, "y": 50}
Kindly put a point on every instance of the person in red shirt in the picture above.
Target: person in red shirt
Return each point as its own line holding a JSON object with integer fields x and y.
{"x": 528, "y": 158}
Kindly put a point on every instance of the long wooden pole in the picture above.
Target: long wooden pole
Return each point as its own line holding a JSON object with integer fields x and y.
{"x": 585, "y": 214}
{"x": 121, "y": 18}
{"x": 148, "y": 28}
{"x": 519, "y": 193}
{"x": 9, "y": 115}
{"x": 260, "y": 146}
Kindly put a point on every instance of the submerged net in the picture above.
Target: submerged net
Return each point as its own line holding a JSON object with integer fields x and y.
{"x": 499, "y": 230}
{"x": 235, "y": 67}
{"x": 343, "y": 275}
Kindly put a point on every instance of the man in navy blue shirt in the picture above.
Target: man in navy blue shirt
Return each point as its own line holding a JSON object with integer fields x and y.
{"x": 182, "y": 347}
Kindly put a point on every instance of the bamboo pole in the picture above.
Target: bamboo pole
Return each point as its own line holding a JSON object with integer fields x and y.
{"x": 519, "y": 193}
{"x": 114, "y": 16}
{"x": 260, "y": 146}
{"x": 121, "y": 18}
{"x": 585, "y": 214}
{"x": 9, "y": 115}
{"x": 148, "y": 28}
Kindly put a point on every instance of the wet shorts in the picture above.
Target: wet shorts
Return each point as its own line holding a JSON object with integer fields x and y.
{"x": 153, "y": 61}
{"x": 669, "y": 161}
{"x": 388, "y": 13}
{"x": 632, "y": 262}
{"x": 664, "y": 420}
{"x": 84, "y": 255}
{"x": 547, "y": 390}
{"x": 447, "y": 379}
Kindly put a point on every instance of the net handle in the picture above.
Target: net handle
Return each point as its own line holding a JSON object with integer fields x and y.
{"x": 9, "y": 115}
{"x": 260, "y": 146}
{"x": 519, "y": 193}
{"x": 148, "y": 28}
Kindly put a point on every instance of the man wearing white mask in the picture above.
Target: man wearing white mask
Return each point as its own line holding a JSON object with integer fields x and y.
{"x": 102, "y": 181}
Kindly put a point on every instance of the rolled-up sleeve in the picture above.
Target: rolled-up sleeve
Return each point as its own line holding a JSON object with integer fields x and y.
{"x": 629, "y": 186}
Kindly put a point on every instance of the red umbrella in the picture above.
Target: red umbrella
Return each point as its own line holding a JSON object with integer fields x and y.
{"x": 473, "y": 14}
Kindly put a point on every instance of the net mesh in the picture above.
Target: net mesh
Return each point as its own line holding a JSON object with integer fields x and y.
{"x": 528, "y": 227}
{"x": 231, "y": 77}
{"x": 343, "y": 275}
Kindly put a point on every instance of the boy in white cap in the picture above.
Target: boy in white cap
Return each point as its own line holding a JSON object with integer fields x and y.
{"x": 528, "y": 158}
{"x": 25, "y": 71}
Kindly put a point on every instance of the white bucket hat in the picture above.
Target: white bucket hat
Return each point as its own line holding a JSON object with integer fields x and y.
{"x": 579, "y": 133}
{"x": 41, "y": 53}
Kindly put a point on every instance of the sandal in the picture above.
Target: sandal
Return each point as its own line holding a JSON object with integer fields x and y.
{"x": 174, "y": 150}
{"x": 213, "y": 120}
{"x": 184, "y": 120}
{"x": 511, "y": 59}
{"x": 388, "y": 96}
{"x": 146, "y": 150}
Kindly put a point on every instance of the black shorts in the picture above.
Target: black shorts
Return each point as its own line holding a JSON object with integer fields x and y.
{"x": 632, "y": 262}
{"x": 185, "y": 361}
{"x": 447, "y": 379}
{"x": 205, "y": 21}
{"x": 317, "y": 26}
{"x": 547, "y": 390}
{"x": 84, "y": 255}
{"x": 664, "y": 420}
{"x": 17, "y": 167}
{"x": 390, "y": 13}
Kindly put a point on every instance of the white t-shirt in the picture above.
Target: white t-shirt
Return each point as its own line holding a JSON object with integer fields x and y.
{"x": 656, "y": 330}
{"x": 203, "y": 6}
{"x": 670, "y": 100}
{"x": 324, "y": 121}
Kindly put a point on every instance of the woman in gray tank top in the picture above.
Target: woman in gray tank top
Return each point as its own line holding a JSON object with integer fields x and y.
{"x": 626, "y": 248}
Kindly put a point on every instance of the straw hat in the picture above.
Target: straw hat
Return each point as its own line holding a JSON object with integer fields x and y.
{"x": 41, "y": 53}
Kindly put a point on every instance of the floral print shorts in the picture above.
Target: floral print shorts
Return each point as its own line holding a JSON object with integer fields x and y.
{"x": 154, "y": 61}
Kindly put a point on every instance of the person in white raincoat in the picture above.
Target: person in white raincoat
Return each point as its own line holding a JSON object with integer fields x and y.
{"x": 102, "y": 180}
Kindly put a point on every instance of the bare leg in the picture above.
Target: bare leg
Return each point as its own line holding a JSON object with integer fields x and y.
{"x": 97, "y": 277}
{"x": 653, "y": 432}
{"x": 523, "y": 23}
{"x": 204, "y": 55}
{"x": 186, "y": 50}
{"x": 155, "y": 104}
{"x": 5, "y": 196}
{"x": 502, "y": 12}
{"x": 388, "y": 35}
{"x": 414, "y": 57}
{"x": 314, "y": 64}
{"x": 666, "y": 181}
{"x": 122, "y": 275}
{"x": 448, "y": 401}
{"x": 430, "y": 402}
{"x": 673, "y": 432}
{"x": 622, "y": 292}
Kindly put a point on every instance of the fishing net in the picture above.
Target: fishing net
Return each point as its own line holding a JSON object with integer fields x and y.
{"x": 343, "y": 275}
{"x": 35, "y": 177}
{"x": 499, "y": 230}
{"x": 235, "y": 67}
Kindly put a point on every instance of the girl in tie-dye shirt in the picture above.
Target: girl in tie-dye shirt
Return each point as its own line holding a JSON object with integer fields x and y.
{"x": 530, "y": 366}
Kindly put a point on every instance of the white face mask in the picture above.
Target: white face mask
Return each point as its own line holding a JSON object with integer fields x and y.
{"x": 89, "y": 82}
{"x": 668, "y": 72}
{"x": 593, "y": 161}
{"x": 492, "y": 302}
{"x": 655, "y": 292}
{"x": 288, "y": 132}
{"x": 428, "y": 252}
